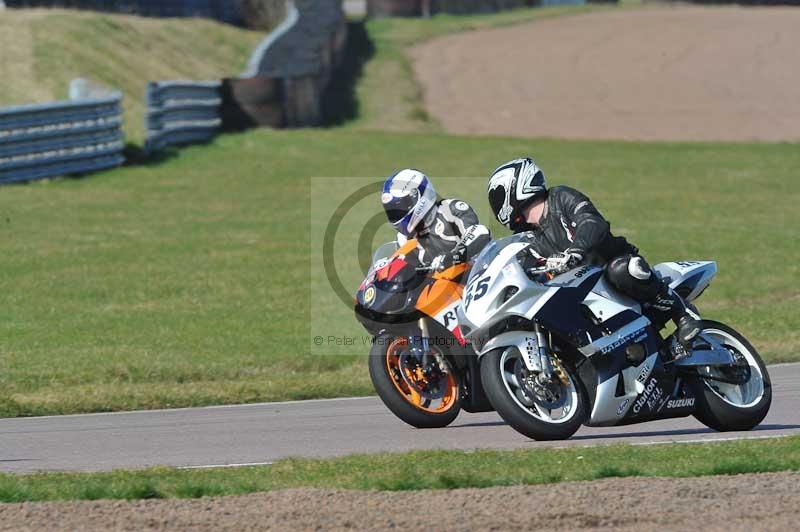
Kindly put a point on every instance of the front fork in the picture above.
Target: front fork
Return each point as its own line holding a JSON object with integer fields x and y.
{"x": 551, "y": 366}
{"x": 444, "y": 366}
{"x": 544, "y": 351}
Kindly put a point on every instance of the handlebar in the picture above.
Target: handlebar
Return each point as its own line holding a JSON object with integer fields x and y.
{"x": 540, "y": 269}
{"x": 549, "y": 273}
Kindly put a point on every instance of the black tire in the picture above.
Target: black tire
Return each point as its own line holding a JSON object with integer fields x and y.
{"x": 713, "y": 411}
{"x": 518, "y": 417}
{"x": 396, "y": 401}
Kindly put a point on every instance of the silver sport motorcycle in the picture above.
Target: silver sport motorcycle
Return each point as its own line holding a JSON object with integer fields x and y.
{"x": 560, "y": 351}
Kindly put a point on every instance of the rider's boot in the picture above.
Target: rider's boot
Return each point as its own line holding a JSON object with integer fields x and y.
{"x": 687, "y": 322}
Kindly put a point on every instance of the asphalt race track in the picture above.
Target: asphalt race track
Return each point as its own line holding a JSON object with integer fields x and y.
{"x": 262, "y": 433}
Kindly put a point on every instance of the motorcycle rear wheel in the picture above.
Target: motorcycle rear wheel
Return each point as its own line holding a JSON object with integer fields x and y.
{"x": 402, "y": 386}
{"x": 724, "y": 406}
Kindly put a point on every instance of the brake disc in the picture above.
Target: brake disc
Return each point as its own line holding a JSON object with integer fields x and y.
{"x": 549, "y": 395}
{"x": 435, "y": 382}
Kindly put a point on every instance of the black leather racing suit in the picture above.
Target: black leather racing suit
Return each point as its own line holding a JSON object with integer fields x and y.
{"x": 572, "y": 223}
{"x": 452, "y": 227}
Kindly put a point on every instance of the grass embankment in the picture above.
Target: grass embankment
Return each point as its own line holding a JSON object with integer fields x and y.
{"x": 187, "y": 282}
{"x": 41, "y": 50}
{"x": 417, "y": 470}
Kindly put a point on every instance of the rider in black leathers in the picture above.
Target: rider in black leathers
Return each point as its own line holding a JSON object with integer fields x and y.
{"x": 567, "y": 230}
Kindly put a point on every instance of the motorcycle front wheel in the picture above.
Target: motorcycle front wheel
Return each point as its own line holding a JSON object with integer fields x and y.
{"x": 412, "y": 385}
{"x": 549, "y": 411}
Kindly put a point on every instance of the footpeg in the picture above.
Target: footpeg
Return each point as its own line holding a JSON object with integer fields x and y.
{"x": 677, "y": 350}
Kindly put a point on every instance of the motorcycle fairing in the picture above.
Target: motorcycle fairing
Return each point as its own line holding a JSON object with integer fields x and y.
{"x": 640, "y": 393}
{"x": 558, "y": 314}
{"x": 596, "y": 321}
{"x": 608, "y": 310}
{"x": 394, "y": 292}
{"x": 440, "y": 298}
{"x": 625, "y": 392}
{"x": 527, "y": 301}
{"x": 688, "y": 277}
{"x": 386, "y": 295}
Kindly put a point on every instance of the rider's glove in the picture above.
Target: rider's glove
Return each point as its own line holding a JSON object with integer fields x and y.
{"x": 455, "y": 256}
{"x": 561, "y": 262}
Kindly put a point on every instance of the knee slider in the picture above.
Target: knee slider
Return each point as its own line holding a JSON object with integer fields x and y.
{"x": 639, "y": 269}
{"x": 631, "y": 275}
{"x": 617, "y": 272}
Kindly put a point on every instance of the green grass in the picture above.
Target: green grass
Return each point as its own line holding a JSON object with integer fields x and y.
{"x": 417, "y": 470}
{"x": 42, "y": 50}
{"x": 188, "y": 282}
{"x": 197, "y": 279}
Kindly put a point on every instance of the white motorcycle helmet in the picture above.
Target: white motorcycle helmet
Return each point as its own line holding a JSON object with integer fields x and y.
{"x": 408, "y": 198}
{"x": 512, "y": 187}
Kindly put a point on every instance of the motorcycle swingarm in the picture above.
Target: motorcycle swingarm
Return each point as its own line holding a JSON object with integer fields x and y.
{"x": 707, "y": 352}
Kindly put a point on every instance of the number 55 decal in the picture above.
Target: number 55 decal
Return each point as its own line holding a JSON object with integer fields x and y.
{"x": 479, "y": 287}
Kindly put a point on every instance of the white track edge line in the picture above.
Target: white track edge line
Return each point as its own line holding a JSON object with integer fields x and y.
{"x": 714, "y": 440}
{"x": 239, "y": 405}
{"x": 183, "y": 409}
{"x": 224, "y": 466}
{"x": 470, "y": 451}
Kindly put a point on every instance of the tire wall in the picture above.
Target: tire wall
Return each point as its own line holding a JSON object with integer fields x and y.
{"x": 304, "y": 58}
{"x": 394, "y": 8}
{"x": 252, "y": 102}
{"x": 477, "y": 6}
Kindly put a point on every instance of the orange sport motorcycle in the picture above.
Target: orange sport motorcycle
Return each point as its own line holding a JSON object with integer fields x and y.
{"x": 420, "y": 364}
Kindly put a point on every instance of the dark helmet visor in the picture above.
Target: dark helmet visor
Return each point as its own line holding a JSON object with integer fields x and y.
{"x": 397, "y": 208}
{"x": 497, "y": 198}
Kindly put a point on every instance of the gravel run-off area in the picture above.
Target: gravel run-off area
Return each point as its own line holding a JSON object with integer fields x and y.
{"x": 655, "y": 73}
{"x": 768, "y": 501}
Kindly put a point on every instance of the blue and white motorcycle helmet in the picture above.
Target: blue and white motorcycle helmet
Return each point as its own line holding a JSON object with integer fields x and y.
{"x": 408, "y": 198}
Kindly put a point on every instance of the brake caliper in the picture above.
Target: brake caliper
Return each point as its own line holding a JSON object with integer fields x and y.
{"x": 558, "y": 371}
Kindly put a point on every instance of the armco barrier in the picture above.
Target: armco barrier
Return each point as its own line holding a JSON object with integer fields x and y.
{"x": 283, "y": 85}
{"x": 69, "y": 137}
{"x": 182, "y": 112}
{"x": 222, "y": 10}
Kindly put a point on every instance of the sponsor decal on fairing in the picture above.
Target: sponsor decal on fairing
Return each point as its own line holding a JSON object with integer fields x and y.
{"x": 680, "y": 403}
{"x": 636, "y": 336}
{"x": 644, "y": 373}
{"x": 369, "y": 295}
{"x": 650, "y": 396}
{"x": 622, "y": 405}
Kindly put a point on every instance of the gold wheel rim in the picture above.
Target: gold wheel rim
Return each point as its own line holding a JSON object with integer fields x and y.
{"x": 407, "y": 392}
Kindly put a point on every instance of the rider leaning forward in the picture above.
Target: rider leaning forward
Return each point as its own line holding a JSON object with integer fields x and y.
{"x": 567, "y": 230}
{"x": 447, "y": 230}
